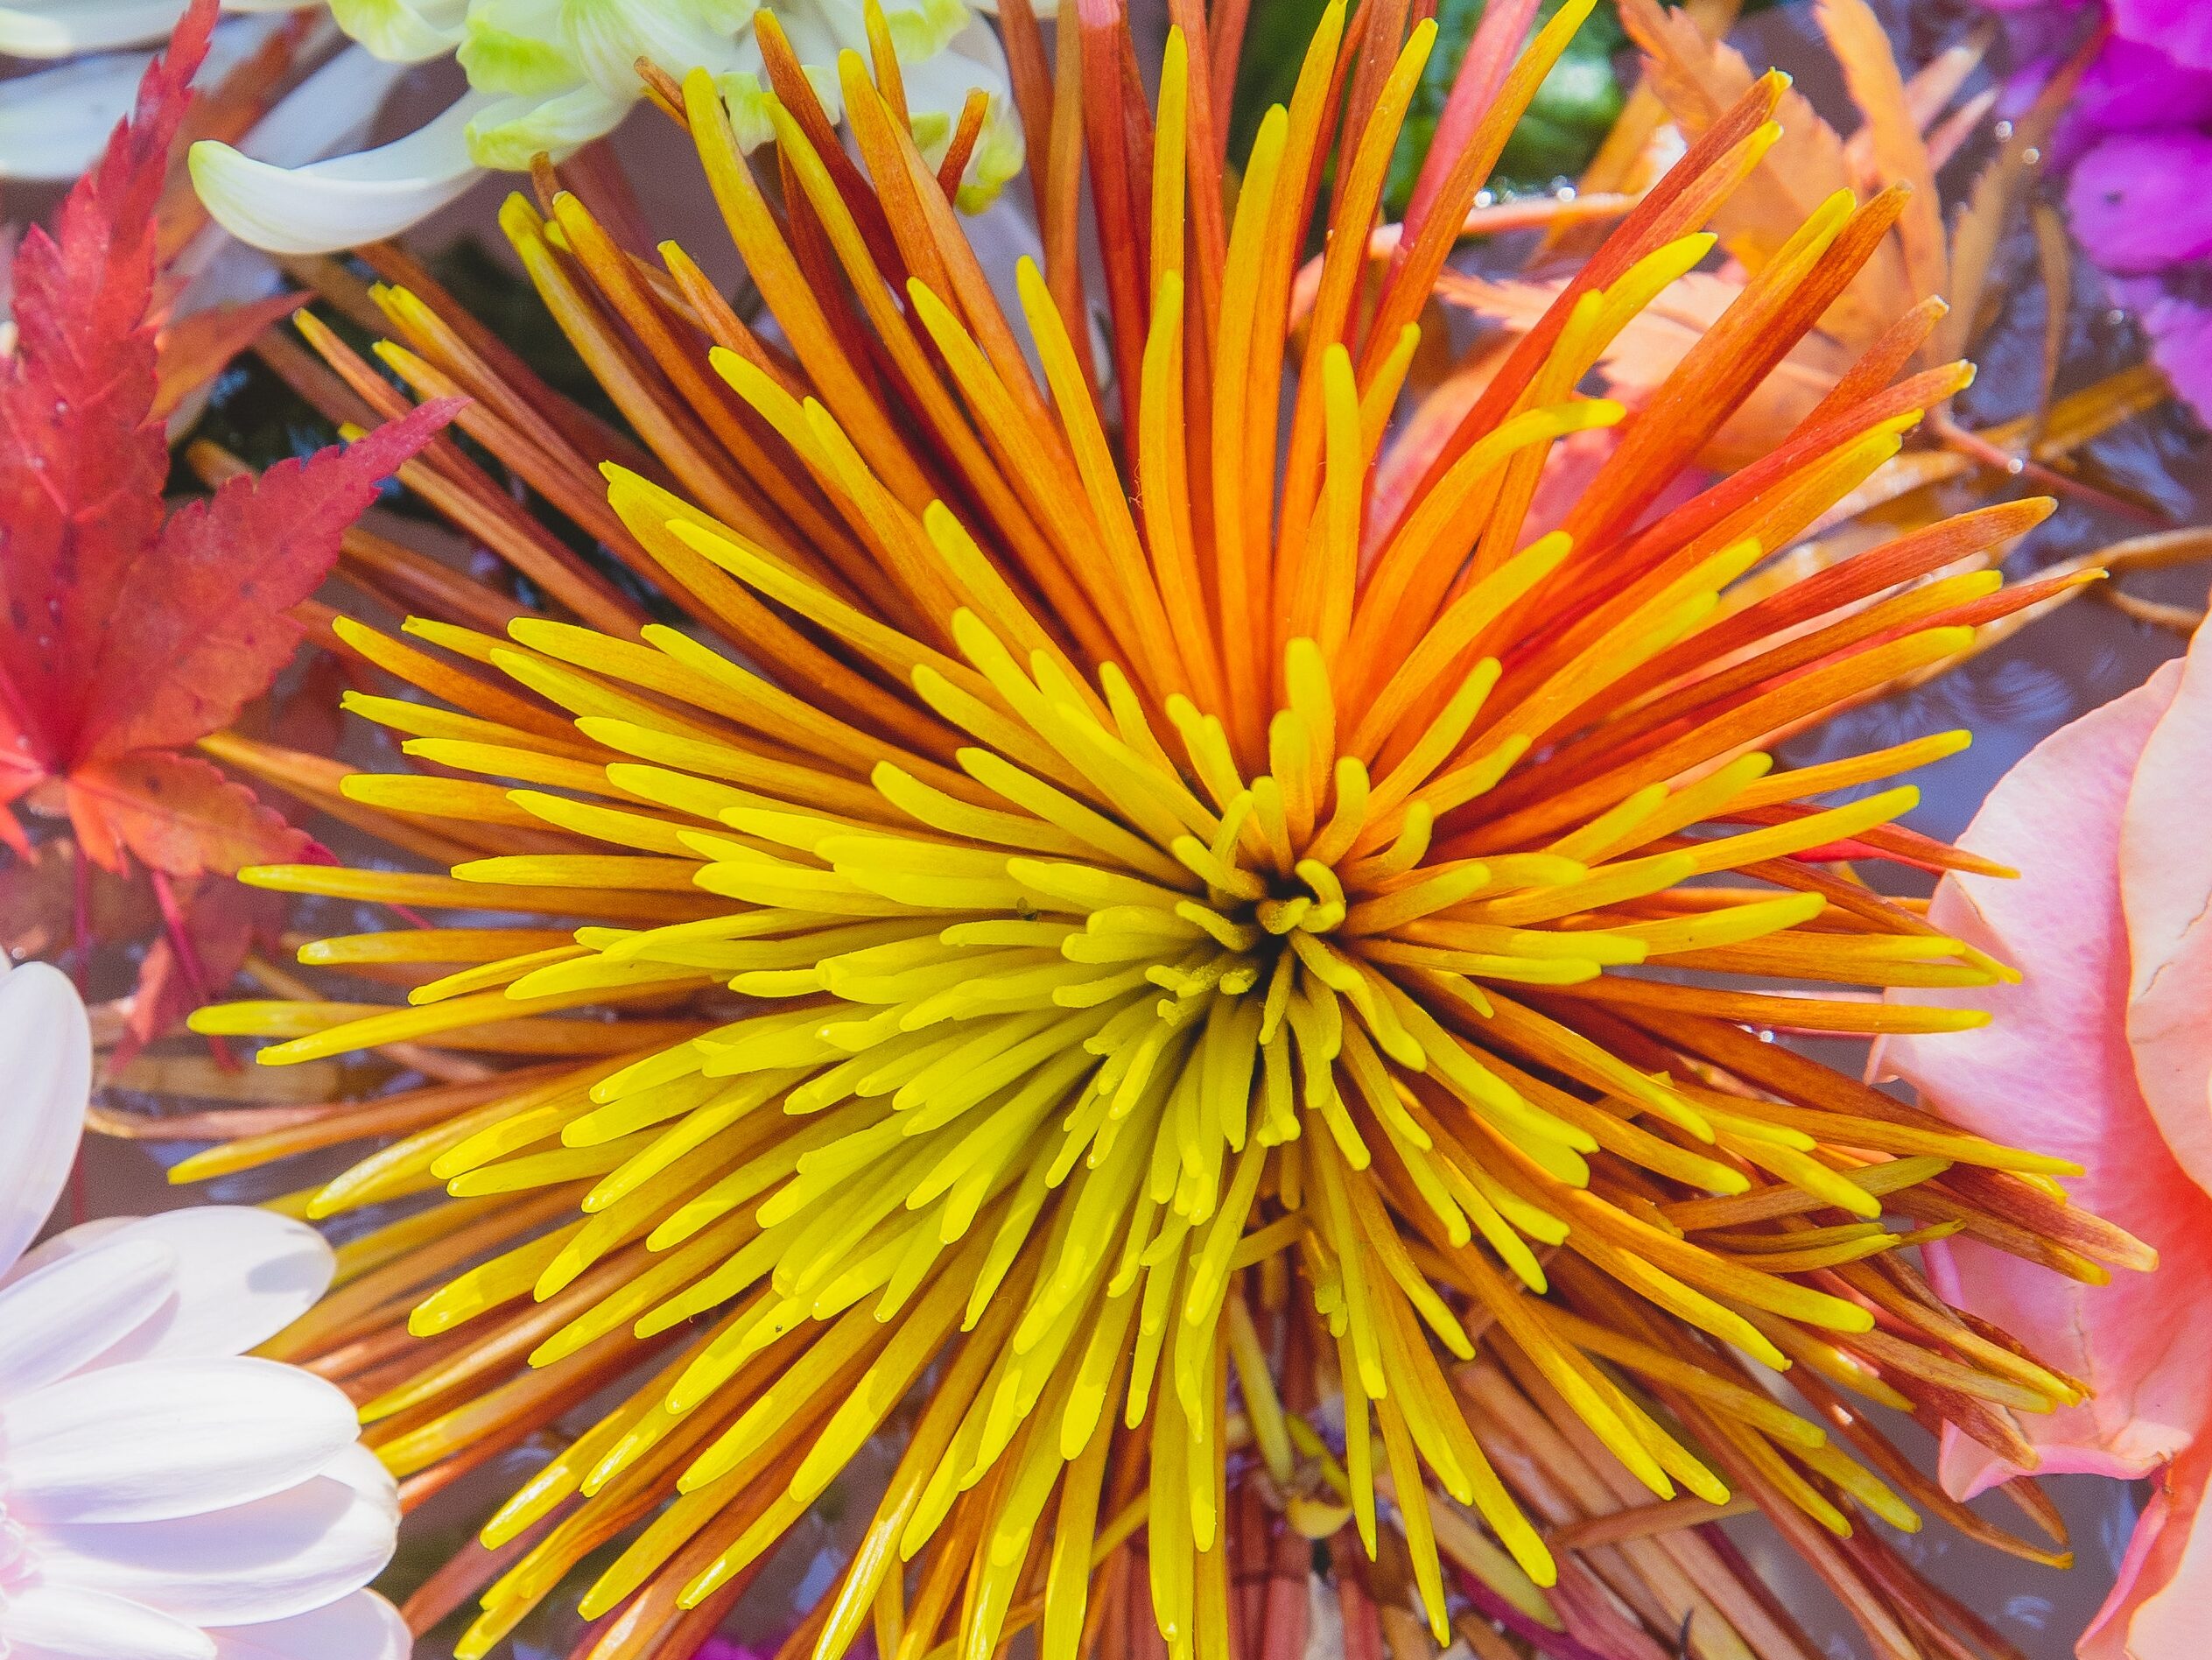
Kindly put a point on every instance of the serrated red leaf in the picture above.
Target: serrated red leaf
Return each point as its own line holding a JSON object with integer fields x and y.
{"x": 122, "y": 636}
{"x": 81, "y": 464}
{"x": 203, "y": 624}
{"x": 177, "y": 814}
{"x": 219, "y": 923}
{"x": 196, "y": 348}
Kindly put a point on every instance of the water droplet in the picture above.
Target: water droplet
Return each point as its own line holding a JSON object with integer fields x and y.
{"x": 2004, "y": 130}
{"x": 1565, "y": 192}
{"x": 2031, "y": 155}
{"x": 1485, "y": 198}
{"x": 2016, "y": 466}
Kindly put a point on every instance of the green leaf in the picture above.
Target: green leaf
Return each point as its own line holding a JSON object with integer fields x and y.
{"x": 1571, "y": 114}
{"x": 1275, "y": 38}
{"x": 1568, "y": 118}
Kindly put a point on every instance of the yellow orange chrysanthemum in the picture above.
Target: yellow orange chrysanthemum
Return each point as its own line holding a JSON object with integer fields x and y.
{"x": 1095, "y": 926}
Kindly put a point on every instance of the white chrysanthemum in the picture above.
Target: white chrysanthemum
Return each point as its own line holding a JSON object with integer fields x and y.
{"x": 162, "y": 1497}
{"x": 53, "y": 120}
{"x": 69, "y": 28}
{"x": 545, "y": 76}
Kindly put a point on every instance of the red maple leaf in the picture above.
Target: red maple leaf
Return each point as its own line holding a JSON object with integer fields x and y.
{"x": 126, "y": 632}
{"x": 208, "y": 928}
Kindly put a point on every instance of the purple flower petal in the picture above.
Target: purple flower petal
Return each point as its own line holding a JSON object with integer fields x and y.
{"x": 2181, "y": 28}
{"x": 2180, "y": 324}
{"x": 2139, "y": 201}
{"x": 2132, "y": 88}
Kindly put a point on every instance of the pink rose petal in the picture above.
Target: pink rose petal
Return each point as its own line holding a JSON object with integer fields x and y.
{"x": 2165, "y": 893}
{"x": 2052, "y": 1071}
{"x": 2160, "y": 1606}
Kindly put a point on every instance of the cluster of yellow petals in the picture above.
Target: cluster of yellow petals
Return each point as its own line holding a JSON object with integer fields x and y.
{"x": 1143, "y": 899}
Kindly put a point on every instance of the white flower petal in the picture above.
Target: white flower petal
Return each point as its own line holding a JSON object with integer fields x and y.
{"x": 67, "y": 1243}
{"x": 64, "y": 28}
{"x": 287, "y": 1554}
{"x": 330, "y": 205}
{"x": 402, "y": 31}
{"x": 331, "y": 110}
{"x": 920, "y": 28}
{"x": 744, "y": 84}
{"x": 53, "y": 1321}
{"x": 62, "y": 1623}
{"x": 510, "y": 132}
{"x": 361, "y": 1626}
{"x": 152, "y": 1439}
{"x": 242, "y": 1276}
{"x": 364, "y": 1472}
{"x": 935, "y": 89}
{"x": 46, "y": 1046}
{"x": 605, "y": 42}
{"x": 53, "y": 122}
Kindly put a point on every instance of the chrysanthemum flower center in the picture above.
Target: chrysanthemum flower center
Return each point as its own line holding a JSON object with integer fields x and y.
{"x": 1152, "y": 923}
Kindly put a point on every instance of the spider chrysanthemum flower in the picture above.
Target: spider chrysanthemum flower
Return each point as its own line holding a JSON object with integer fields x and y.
{"x": 1190, "y": 913}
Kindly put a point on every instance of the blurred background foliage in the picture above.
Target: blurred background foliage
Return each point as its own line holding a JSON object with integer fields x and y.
{"x": 1573, "y": 111}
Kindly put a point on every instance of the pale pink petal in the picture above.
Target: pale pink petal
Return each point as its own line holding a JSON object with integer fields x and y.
{"x": 362, "y": 1470}
{"x": 54, "y": 1321}
{"x": 287, "y": 1554}
{"x": 67, "y": 1243}
{"x": 152, "y": 1439}
{"x": 361, "y": 1626}
{"x": 64, "y": 1622}
{"x": 2160, "y": 1606}
{"x": 2052, "y": 1071}
{"x": 243, "y": 1275}
{"x": 45, "y": 1047}
{"x": 2165, "y": 893}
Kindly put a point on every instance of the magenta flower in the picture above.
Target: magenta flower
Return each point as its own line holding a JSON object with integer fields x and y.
{"x": 2179, "y": 321}
{"x": 2133, "y": 89}
{"x": 2137, "y": 142}
{"x": 2139, "y": 201}
{"x": 2181, "y": 28}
